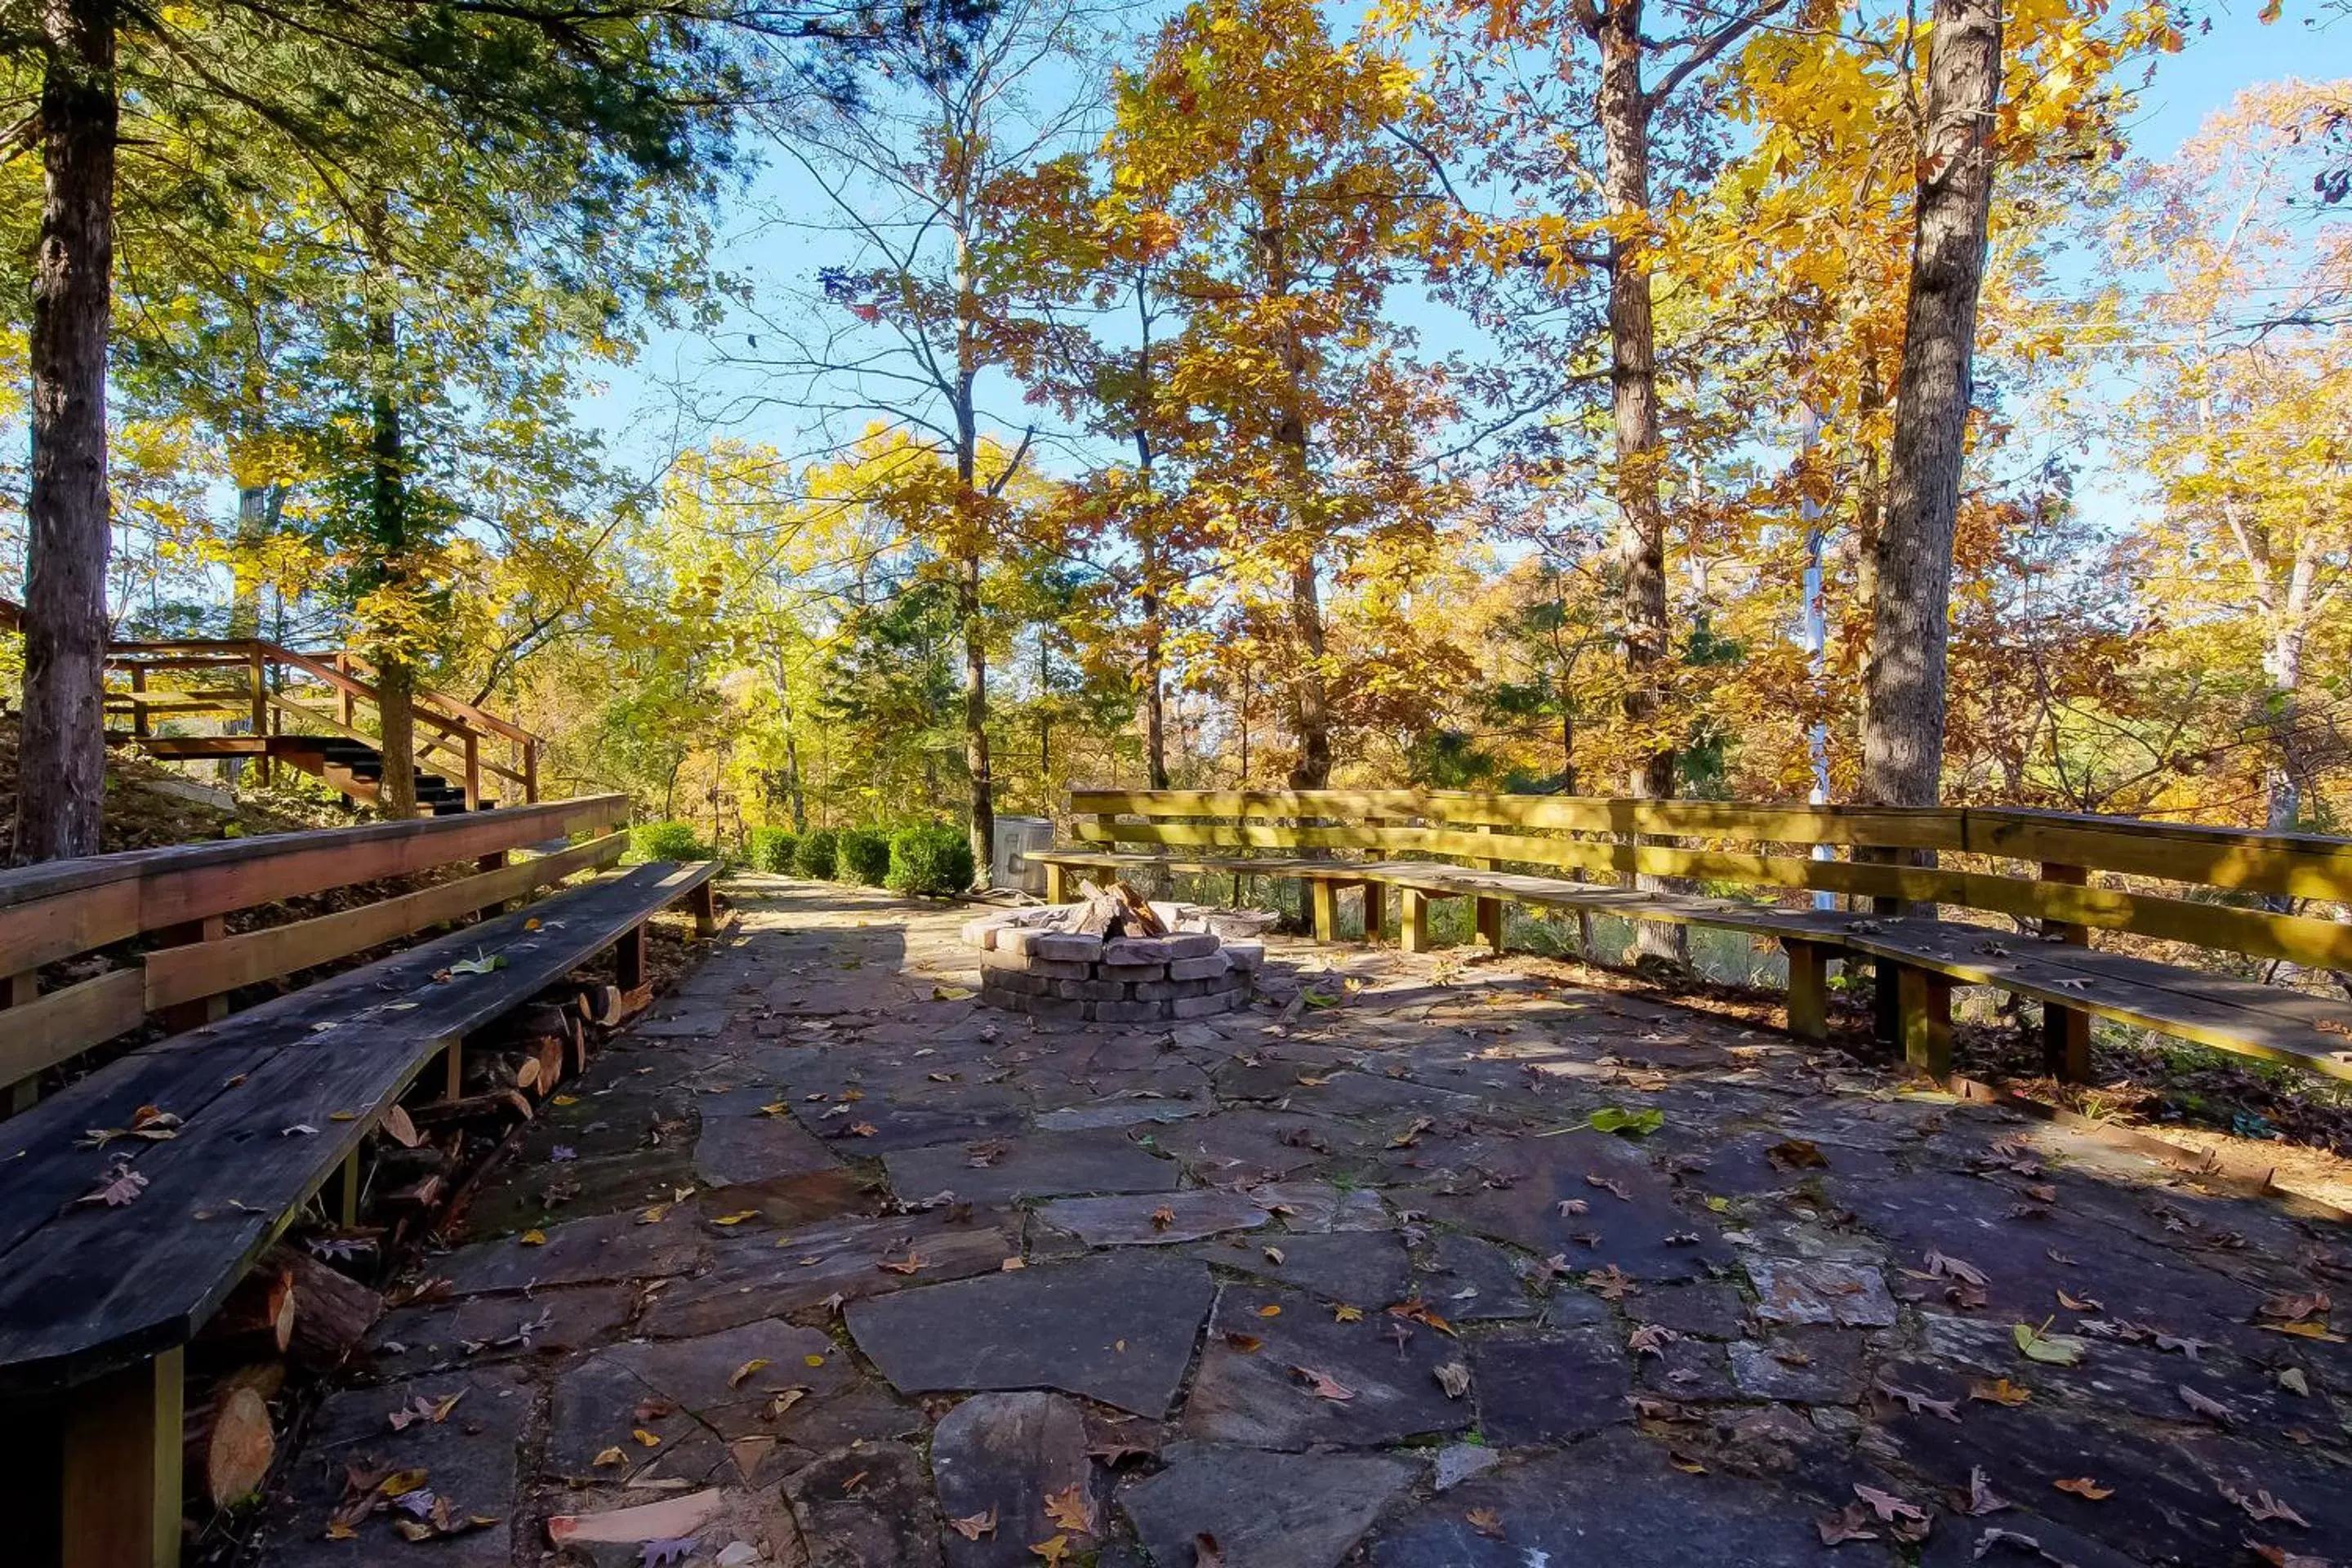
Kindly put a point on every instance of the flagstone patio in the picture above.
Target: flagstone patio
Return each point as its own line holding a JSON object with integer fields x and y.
{"x": 841, "y": 1268}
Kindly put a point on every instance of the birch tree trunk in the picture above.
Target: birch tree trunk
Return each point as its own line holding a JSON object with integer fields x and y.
{"x": 1903, "y": 733}
{"x": 395, "y": 678}
{"x": 61, "y": 745}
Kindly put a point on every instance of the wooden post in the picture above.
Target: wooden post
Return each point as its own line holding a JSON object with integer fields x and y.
{"x": 2066, "y": 1031}
{"x": 139, "y": 701}
{"x": 258, "y": 673}
{"x": 1058, "y": 883}
{"x": 343, "y": 701}
{"x": 1809, "y": 980}
{"x": 491, "y": 863}
{"x": 1376, "y": 914}
{"x": 1413, "y": 920}
{"x": 473, "y": 771}
{"x": 195, "y": 1013}
{"x": 1323, "y": 898}
{"x": 17, "y": 991}
{"x": 1924, "y": 1004}
{"x": 530, "y": 771}
{"x": 122, "y": 1471}
{"x": 1489, "y": 919}
{"x": 347, "y": 1190}
{"x": 704, "y": 902}
{"x": 629, "y": 958}
{"x": 452, "y": 1059}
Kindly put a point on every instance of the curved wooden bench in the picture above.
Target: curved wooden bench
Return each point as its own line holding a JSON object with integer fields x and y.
{"x": 1262, "y": 833}
{"x": 274, "y": 1103}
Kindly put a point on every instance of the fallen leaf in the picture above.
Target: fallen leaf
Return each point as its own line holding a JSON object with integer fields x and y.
{"x": 2204, "y": 1405}
{"x": 1612, "y": 1283}
{"x": 973, "y": 1526}
{"x": 2056, "y": 1350}
{"x": 1797, "y": 1154}
{"x": 746, "y": 1370}
{"x": 667, "y": 1552}
{"x": 907, "y": 1264}
{"x": 1412, "y": 1135}
{"x": 1941, "y": 1267}
{"x": 2292, "y": 1380}
{"x": 120, "y": 1185}
{"x": 2081, "y": 1304}
{"x": 1852, "y": 1523}
{"x": 1485, "y": 1521}
{"x": 1162, "y": 1217}
{"x": 1999, "y": 1390}
{"x": 611, "y": 1456}
{"x": 737, "y": 1218}
{"x": 1322, "y": 1384}
{"x": 647, "y": 1438}
{"x": 479, "y": 964}
{"x": 1626, "y": 1124}
{"x": 1685, "y": 1463}
{"x": 2085, "y": 1487}
{"x": 2262, "y": 1507}
{"x": 2294, "y": 1307}
{"x": 1071, "y": 1509}
{"x": 1919, "y": 1403}
{"x": 2279, "y": 1557}
{"x": 1568, "y": 1208}
{"x": 1908, "y": 1521}
{"x": 1248, "y": 1344}
{"x": 1345, "y": 1314}
{"x": 1420, "y": 1312}
{"x": 1982, "y": 1498}
{"x": 532, "y": 1238}
{"x": 1454, "y": 1378}
{"x": 1052, "y": 1551}
{"x": 1269, "y": 1311}
{"x": 1206, "y": 1552}
{"x": 1614, "y": 1188}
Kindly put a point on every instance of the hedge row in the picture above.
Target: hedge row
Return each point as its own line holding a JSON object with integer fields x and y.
{"x": 935, "y": 859}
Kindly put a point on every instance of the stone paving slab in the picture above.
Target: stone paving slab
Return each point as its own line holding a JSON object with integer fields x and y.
{"x": 1346, "y": 1285}
{"x": 1116, "y": 1328}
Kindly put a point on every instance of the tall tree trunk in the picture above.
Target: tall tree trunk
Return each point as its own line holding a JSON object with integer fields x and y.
{"x": 792, "y": 746}
{"x": 975, "y": 718}
{"x": 61, "y": 744}
{"x": 1869, "y": 522}
{"x": 1624, "y": 109}
{"x": 2282, "y": 662}
{"x": 395, "y": 678}
{"x": 1903, "y": 740}
{"x": 1309, "y": 693}
{"x": 1155, "y": 697}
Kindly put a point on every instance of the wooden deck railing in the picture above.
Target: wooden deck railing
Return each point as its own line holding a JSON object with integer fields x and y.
{"x": 320, "y": 693}
{"x": 181, "y": 895}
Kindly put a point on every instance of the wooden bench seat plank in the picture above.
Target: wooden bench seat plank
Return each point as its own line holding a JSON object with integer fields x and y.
{"x": 2030, "y": 968}
{"x": 90, "y": 1289}
{"x": 2303, "y": 1006}
{"x": 1259, "y": 866}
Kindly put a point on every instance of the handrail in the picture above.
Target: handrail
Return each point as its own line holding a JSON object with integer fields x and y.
{"x": 60, "y": 908}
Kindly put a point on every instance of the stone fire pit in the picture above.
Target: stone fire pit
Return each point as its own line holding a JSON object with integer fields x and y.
{"x": 1113, "y": 959}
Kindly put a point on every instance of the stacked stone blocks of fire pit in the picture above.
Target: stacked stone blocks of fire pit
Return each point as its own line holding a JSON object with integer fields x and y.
{"x": 1126, "y": 980}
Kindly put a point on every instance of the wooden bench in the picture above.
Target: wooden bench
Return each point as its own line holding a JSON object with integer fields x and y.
{"x": 275, "y": 1103}
{"x": 2189, "y": 887}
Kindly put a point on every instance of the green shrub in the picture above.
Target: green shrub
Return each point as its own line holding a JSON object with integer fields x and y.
{"x": 935, "y": 859}
{"x": 665, "y": 841}
{"x": 814, "y": 855}
{"x": 863, "y": 857}
{"x": 770, "y": 849}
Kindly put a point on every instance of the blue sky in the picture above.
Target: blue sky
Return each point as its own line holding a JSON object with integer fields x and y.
{"x": 776, "y": 236}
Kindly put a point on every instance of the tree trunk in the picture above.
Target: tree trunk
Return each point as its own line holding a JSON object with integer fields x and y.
{"x": 396, "y": 687}
{"x": 1624, "y": 110}
{"x": 332, "y": 1311}
{"x": 1308, "y": 690}
{"x": 226, "y": 1440}
{"x": 1155, "y": 711}
{"x": 395, "y": 678}
{"x": 975, "y": 721}
{"x": 61, "y": 744}
{"x": 1903, "y": 741}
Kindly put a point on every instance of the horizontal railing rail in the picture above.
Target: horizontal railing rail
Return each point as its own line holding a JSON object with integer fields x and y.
{"x": 63, "y": 908}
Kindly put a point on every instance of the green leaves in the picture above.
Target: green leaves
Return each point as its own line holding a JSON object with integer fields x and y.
{"x": 2053, "y": 1350}
{"x": 1626, "y": 1124}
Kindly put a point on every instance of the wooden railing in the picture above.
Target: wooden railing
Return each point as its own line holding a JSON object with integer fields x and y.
{"x": 453, "y": 728}
{"x": 181, "y": 897}
{"x": 448, "y": 726}
{"x": 2216, "y": 870}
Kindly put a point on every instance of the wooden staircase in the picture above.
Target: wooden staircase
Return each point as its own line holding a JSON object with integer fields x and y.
{"x": 355, "y": 769}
